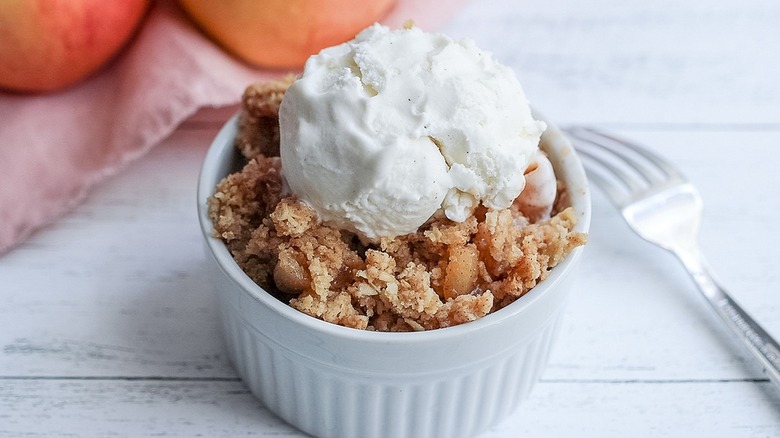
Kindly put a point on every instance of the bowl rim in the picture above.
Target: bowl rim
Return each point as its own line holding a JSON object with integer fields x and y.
{"x": 222, "y": 149}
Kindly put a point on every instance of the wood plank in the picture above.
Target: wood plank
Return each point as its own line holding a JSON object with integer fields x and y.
{"x": 607, "y": 61}
{"x": 107, "y": 408}
{"x": 690, "y": 409}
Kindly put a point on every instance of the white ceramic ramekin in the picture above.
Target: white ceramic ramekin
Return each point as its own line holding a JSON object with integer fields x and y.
{"x": 333, "y": 381}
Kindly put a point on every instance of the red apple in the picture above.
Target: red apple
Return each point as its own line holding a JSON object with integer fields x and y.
{"x": 283, "y": 33}
{"x": 49, "y": 44}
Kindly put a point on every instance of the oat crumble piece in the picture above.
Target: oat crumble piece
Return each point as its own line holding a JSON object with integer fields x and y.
{"x": 258, "y": 121}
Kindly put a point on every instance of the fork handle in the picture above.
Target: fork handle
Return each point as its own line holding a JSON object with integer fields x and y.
{"x": 763, "y": 347}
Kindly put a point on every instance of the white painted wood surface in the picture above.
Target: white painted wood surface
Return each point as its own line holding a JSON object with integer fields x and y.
{"x": 107, "y": 320}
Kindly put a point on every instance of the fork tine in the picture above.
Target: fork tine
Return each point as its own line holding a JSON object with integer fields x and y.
{"x": 610, "y": 150}
{"x": 661, "y": 164}
{"x": 609, "y": 168}
{"x": 615, "y": 193}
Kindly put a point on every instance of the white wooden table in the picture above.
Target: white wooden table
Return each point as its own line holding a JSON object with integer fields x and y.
{"x": 107, "y": 318}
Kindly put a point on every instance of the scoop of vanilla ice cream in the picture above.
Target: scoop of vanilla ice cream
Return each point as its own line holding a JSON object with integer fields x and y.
{"x": 382, "y": 132}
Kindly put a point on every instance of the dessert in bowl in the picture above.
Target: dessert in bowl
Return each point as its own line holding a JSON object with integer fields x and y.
{"x": 325, "y": 238}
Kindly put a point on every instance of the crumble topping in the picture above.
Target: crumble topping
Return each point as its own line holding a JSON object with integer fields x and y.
{"x": 445, "y": 274}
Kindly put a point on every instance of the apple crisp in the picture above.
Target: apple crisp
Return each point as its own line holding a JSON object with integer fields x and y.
{"x": 445, "y": 274}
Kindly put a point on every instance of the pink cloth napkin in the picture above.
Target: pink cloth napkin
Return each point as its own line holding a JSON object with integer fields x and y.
{"x": 55, "y": 147}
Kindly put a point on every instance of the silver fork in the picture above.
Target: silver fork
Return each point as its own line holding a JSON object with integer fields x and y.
{"x": 664, "y": 208}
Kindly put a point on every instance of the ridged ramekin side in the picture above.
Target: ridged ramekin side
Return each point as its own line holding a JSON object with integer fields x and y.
{"x": 329, "y": 402}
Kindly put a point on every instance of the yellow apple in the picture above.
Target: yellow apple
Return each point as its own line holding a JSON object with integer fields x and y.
{"x": 49, "y": 44}
{"x": 283, "y": 33}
